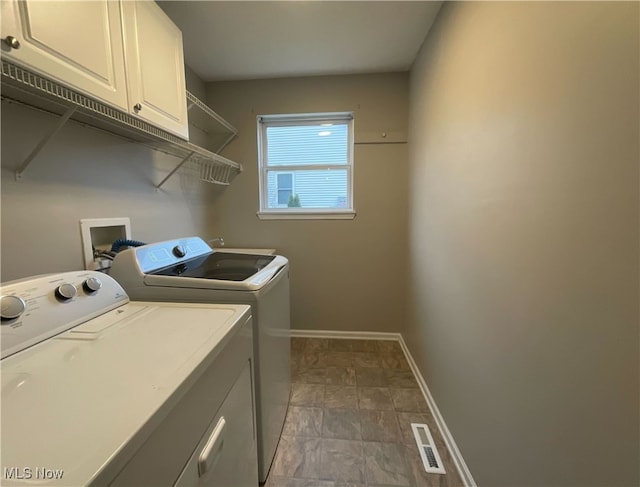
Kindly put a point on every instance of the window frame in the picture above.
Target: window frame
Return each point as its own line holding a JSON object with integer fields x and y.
{"x": 266, "y": 121}
{"x": 292, "y": 188}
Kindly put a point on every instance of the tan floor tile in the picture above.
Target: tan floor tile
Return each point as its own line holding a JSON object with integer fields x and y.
{"x": 364, "y": 346}
{"x": 340, "y": 345}
{"x": 341, "y": 424}
{"x": 341, "y": 376}
{"x": 408, "y": 400}
{"x": 295, "y": 354}
{"x": 388, "y": 456}
{"x": 385, "y": 464}
{"x": 371, "y": 376}
{"x": 344, "y": 397}
{"x": 303, "y": 421}
{"x": 309, "y": 376}
{"x": 297, "y": 457}
{"x": 289, "y": 482}
{"x": 338, "y": 359}
{"x": 307, "y": 394}
{"x": 312, "y": 359}
{"x": 400, "y": 378}
{"x": 297, "y": 343}
{"x": 366, "y": 359}
{"x": 394, "y": 361}
{"x": 316, "y": 344}
{"x": 377, "y": 398}
{"x": 342, "y": 460}
{"x": 380, "y": 426}
{"x": 390, "y": 346}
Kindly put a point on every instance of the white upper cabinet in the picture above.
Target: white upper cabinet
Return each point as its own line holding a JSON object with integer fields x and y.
{"x": 76, "y": 43}
{"x": 155, "y": 66}
{"x": 126, "y": 53}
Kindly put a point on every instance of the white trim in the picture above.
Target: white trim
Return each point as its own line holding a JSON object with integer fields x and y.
{"x": 86, "y": 224}
{"x": 305, "y": 118}
{"x": 346, "y": 335}
{"x": 305, "y": 215}
{"x": 307, "y": 167}
{"x": 262, "y": 172}
{"x": 351, "y": 137}
{"x": 461, "y": 466}
{"x": 263, "y": 121}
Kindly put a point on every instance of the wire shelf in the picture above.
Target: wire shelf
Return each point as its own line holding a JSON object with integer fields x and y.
{"x": 191, "y": 98}
{"x": 213, "y": 173}
{"x": 24, "y": 86}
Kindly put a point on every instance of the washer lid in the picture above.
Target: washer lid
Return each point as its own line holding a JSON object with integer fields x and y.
{"x": 220, "y": 266}
{"x": 203, "y": 277}
{"x": 74, "y": 402}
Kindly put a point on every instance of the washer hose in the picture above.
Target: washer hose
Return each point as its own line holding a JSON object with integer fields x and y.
{"x": 123, "y": 242}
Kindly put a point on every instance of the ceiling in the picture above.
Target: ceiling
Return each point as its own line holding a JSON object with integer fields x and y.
{"x": 235, "y": 40}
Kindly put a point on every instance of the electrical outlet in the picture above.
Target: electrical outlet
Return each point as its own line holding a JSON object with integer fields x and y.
{"x": 99, "y": 234}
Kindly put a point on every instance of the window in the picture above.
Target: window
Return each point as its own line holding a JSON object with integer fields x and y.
{"x": 284, "y": 186}
{"x": 306, "y": 165}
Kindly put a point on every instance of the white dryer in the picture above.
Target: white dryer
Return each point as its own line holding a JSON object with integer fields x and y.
{"x": 189, "y": 270}
{"x": 97, "y": 390}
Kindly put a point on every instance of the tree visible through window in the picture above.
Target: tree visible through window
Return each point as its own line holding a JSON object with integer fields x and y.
{"x": 306, "y": 163}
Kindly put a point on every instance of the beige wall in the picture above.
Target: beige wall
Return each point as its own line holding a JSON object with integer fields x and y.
{"x": 194, "y": 84}
{"x": 523, "y": 312}
{"x": 345, "y": 274}
{"x": 84, "y": 173}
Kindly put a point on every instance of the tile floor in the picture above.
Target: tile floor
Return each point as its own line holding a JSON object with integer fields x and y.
{"x": 348, "y": 425}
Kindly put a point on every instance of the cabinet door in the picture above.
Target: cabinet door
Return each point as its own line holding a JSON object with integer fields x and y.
{"x": 155, "y": 67}
{"x": 78, "y": 44}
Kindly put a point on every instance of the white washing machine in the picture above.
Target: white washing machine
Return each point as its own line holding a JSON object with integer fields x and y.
{"x": 97, "y": 390}
{"x": 189, "y": 270}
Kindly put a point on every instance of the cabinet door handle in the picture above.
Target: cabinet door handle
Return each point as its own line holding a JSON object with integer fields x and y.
{"x": 137, "y": 107}
{"x": 12, "y": 42}
{"x": 212, "y": 450}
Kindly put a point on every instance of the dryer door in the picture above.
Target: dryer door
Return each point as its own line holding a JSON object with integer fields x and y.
{"x": 226, "y": 455}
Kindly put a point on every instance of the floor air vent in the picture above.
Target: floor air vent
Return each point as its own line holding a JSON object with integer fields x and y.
{"x": 428, "y": 452}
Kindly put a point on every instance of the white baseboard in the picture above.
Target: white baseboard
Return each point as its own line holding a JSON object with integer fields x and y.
{"x": 461, "y": 466}
{"x": 463, "y": 470}
{"x": 346, "y": 335}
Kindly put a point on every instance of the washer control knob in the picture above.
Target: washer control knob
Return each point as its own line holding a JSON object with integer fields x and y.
{"x": 178, "y": 251}
{"x": 12, "y": 307}
{"x": 66, "y": 291}
{"x": 92, "y": 285}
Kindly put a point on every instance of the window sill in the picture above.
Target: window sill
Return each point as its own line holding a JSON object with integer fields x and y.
{"x": 306, "y": 215}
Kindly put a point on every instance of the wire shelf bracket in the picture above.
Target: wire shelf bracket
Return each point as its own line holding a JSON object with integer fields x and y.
{"x": 44, "y": 141}
{"x": 25, "y": 87}
{"x": 182, "y": 163}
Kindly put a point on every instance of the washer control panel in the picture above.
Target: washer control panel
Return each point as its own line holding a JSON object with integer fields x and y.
{"x": 40, "y": 307}
{"x": 171, "y": 252}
